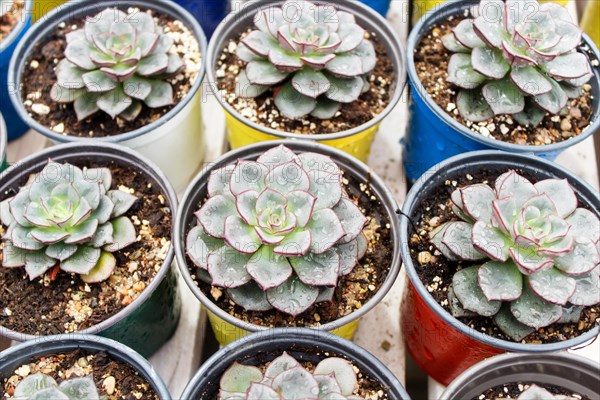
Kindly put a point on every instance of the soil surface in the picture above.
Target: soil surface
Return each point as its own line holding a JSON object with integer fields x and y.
{"x": 114, "y": 379}
{"x": 39, "y": 77}
{"x": 431, "y": 62}
{"x": 65, "y": 304}
{"x": 262, "y": 109}
{"x": 513, "y": 390}
{"x": 436, "y": 272}
{"x": 353, "y": 290}
{"x": 11, "y": 18}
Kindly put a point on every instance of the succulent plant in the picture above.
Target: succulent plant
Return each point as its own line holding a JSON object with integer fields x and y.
{"x": 116, "y": 62}
{"x": 516, "y": 58}
{"x": 314, "y": 57}
{"x": 68, "y": 217}
{"x": 535, "y": 392}
{"x": 286, "y": 379}
{"x": 40, "y": 386}
{"x": 541, "y": 253}
{"x": 278, "y": 231}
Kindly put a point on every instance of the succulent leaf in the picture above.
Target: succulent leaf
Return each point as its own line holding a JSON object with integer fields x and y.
{"x": 40, "y": 386}
{"x": 535, "y": 45}
{"x": 507, "y": 322}
{"x": 312, "y": 59}
{"x": 470, "y": 294}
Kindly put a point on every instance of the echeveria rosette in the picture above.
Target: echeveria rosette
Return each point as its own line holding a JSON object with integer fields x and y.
{"x": 516, "y": 57}
{"x": 116, "y": 62}
{"x": 535, "y": 392}
{"x": 314, "y": 57}
{"x": 278, "y": 231}
{"x": 286, "y": 379}
{"x": 68, "y": 217}
{"x": 542, "y": 252}
{"x": 40, "y": 386}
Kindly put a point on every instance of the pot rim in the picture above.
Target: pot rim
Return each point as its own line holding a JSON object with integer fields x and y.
{"x": 412, "y": 200}
{"x": 418, "y": 89}
{"x": 570, "y": 361}
{"x": 251, "y": 152}
{"x": 73, "y": 9}
{"x": 292, "y": 336}
{"x": 396, "y": 53}
{"x": 72, "y": 341}
{"x": 18, "y": 28}
{"x": 68, "y": 151}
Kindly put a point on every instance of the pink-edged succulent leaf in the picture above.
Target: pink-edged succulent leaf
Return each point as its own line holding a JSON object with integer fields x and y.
{"x": 451, "y": 44}
{"x": 247, "y": 175}
{"x": 302, "y": 204}
{"x": 83, "y": 261}
{"x": 293, "y": 104}
{"x": 293, "y": 297}
{"x": 227, "y": 268}
{"x": 213, "y": 213}
{"x": 530, "y": 81}
{"x": 282, "y": 363}
{"x": 261, "y": 391}
{"x": 584, "y": 224}
{"x": 345, "y": 66}
{"x": 553, "y": 286}
{"x": 352, "y": 219}
{"x": 343, "y": 371}
{"x": 318, "y": 269}
{"x": 500, "y": 281}
{"x": 553, "y": 101}
{"x": 436, "y": 236}
{"x": 352, "y": 35}
{"x": 311, "y": 83}
{"x": 258, "y": 42}
{"x": 268, "y": 269}
{"x": 568, "y": 66}
{"x": 123, "y": 234}
{"x": 348, "y": 253}
{"x": 366, "y": 52}
{"x": 581, "y": 260}
{"x": 504, "y": 97}
{"x": 264, "y": 73}
{"x": 508, "y": 324}
{"x": 246, "y": 89}
{"x": 241, "y": 236}
{"x": 491, "y": 241}
{"x": 467, "y": 290}
{"x": 295, "y": 244}
{"x": 515, "y": 186}
{"x": 489, "y": 62}
{"x": 326, "y": 229}
{"x": 490, "y": 32}
{"x": 326, "y": 187}
{"x": 245, "y": 204}
{"x": 238, "y": 378}
{"x": 533, "y": 311}
{"x": 245, "y": 54}
{"x": 515, "y": 57}
{"x": 477, "y": 201}
{"x": 457, "y": 238}
{"x": 250, "y": 297}
{"x": 472, "y": 106}
{"x": 296, "y": 383}
{"x": 284, "y": 61}
{"x": 456, "y": 307}
{"x": 345, "y": 90}
{"x": 199, "y": 246}
{"x": 328, "y": 385}
{"x": 461, "y": 72}
{"x": 288, "y": 177}
{"x": 318, "y": 62}
{"x": 220, "y": 180}
{"x": 587, "y": 289}
{"x": 465, "y": 34}
{"x": 529, "y": 261}
{"x": 102, "y": 270}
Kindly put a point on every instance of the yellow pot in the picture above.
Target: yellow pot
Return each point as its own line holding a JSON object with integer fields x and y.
{"x": 43, "y": 7}
{"x": 358, "y": 145}
{"x": 356, "y": 141}
{"x": 227, "y": 333}
{"x": 420, "y": 7}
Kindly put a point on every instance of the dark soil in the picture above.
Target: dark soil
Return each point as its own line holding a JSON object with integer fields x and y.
{"x": 431, "y": 61}
{"x": 513, "y": 390}
{"x": 353, "y": 290}
{"x": 67, "y": 304}
{"x": 78, "y": 363}
{"x": 11, "y": 18}
{"x": 39, "y": 77}
{"x": 263, "y": 111}
{"x": 436, "y": 274}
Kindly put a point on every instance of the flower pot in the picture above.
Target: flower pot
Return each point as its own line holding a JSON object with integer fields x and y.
{"x": 357, "y": 141}
{"x": 434, "y": 136}
{"x": 175, "y": 141}
{"x": 151, "y": 318}
{"x": 7, "y": 47}
{"x": 302, "y": 344}
{"x": 3, "y": 143}
{"x": 209, "y": 13}
{"x": 442, "y": 345}
{"x": 24, "y": 353}
{"x": 229, "y": 328}
{"x": 571, "y": 372}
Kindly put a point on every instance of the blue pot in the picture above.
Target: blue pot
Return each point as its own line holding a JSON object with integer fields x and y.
{"x": 209, "y": 13}
{"x": 16, "y": 127}
{"x": 381, "y": 6}
{"x": 434, "y": 136}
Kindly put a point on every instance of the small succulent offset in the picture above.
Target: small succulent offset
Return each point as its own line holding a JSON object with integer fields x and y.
{"x": 278, "y": 231}
{"x": 116, "y": 62}
{"x": 314, "y": 57}
{"x": 542, "y": 252}
{"x": 286, "y": 379}
{"x": 68, "y": 217}
{"x": 517, "y": 58}
{"x": 40, "y": 386}
{"x": 535, "y": 392}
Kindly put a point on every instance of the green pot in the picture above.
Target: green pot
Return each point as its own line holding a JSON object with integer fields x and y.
{"x": 152, "y": 318}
